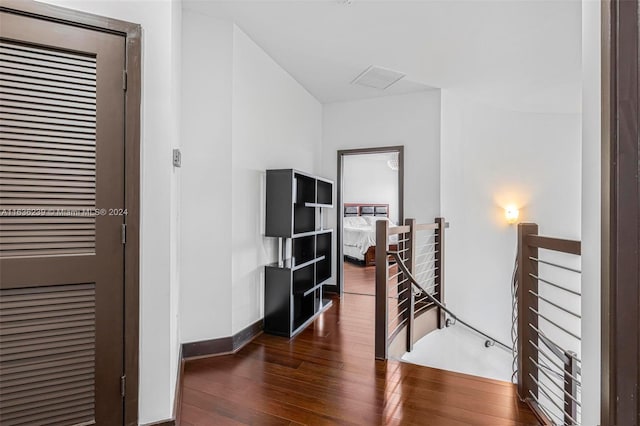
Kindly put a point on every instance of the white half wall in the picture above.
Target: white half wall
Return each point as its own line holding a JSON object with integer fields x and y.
{"x": 492, "y": 157}
{"x": 368, "y": 179}
{"x": 412, "y": 120}
{"x": 591, "y": 205}
{"x": 276, "y": 124}
{"x": 159, "y": 337}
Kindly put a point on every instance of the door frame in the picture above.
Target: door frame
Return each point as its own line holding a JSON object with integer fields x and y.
{"x": 132, "y": 34}
{"x": 620, "y": 214}
{"x": 339, "y": 285}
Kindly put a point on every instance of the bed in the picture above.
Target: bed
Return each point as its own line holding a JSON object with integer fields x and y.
{"x": 359, "y": 231}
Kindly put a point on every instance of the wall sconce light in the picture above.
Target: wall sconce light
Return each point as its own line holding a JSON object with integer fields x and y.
{"x": 511, "y": 213}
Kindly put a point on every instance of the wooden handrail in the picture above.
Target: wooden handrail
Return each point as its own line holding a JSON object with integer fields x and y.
{"x": 397, "y": 229}
{"x": 555, "y": 244}
{"x": 431, "y": 226}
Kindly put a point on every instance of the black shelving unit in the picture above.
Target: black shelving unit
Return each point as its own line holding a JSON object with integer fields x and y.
{"x": 293, "y": 285}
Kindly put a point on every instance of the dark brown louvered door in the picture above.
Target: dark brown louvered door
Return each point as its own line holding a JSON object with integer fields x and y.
{"x": 61, "y": 251}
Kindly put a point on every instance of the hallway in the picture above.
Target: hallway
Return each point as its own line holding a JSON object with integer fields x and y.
{"x": 328, "y": 375}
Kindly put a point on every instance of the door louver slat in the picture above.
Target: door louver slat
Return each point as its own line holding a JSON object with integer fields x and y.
{"x": 26, "y": 83}
{"x": 58, "y": 146}
{"x": 45, "y": 102}
{"x": 44, "y": 153}
{"x": 36, "y": 372}
{"x": 14, "y": 57}
{"x": 48, "y": 335}
{"x": 40, "y": 138}
{"x": 48, "y": 73}
{"x": 45, "y": 413}
{"x": 36, "y": 117}
{"x": 47, "y": 96}
{"x": 70, "y": 127}
{"x": 53, "y": 55}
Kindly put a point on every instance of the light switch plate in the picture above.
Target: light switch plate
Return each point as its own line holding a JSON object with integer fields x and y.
{"x": 177, "y": 158}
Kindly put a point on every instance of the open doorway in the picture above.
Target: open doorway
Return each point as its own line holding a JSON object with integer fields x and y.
{"x": 370, "y": 188}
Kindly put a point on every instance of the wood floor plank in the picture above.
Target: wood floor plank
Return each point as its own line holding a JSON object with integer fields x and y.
{"x": 233, "y": 410}
{"x": 198, "y": 417}
{"x": 328, "y": 376}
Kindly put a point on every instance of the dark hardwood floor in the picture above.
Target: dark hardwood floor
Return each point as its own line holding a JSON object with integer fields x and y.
{"x": 359, "y": 279}
{"x": 327, "y": 375}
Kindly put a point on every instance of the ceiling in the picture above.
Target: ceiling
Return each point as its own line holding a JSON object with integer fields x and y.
{"x": 523, "y": 55}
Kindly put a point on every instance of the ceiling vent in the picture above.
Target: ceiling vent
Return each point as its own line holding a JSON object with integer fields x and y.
{"x": 377, "y": 77}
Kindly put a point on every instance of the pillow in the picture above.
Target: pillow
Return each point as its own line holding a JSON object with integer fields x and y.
{"x": 355, "y": 222}
{"x": 381, "y": 210}
{"x": 366, "y": 210}
{"x": 351, "y": 211}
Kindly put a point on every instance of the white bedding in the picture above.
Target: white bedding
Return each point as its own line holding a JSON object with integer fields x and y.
{"x": 359, "y": 232}
{"x": 353, "y": 252}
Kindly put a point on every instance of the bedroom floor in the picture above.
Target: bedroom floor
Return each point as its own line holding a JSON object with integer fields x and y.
{"x": 359, "y": 279}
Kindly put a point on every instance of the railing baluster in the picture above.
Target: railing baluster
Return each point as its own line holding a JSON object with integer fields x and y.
{"x": 411, "y": 256}
{"x": 382, "y": 280}
{"x": 527, "y": 374}
{"x": 439, "y": 265}
{"x": 570, "y": 387}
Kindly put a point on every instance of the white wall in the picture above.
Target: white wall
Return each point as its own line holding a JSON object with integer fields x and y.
{"x": 368, "y": 179}
{"x": 276, "y": 124}
{"x": 493, "y": 157}
{"x": 175, "y": 231}
{"x": 242, "y": 114}
{"x": 206, "y": 184}
{"x": 159, "y": 344}
{"x": 591, "y": 225}
{"x": 411, "y": 120}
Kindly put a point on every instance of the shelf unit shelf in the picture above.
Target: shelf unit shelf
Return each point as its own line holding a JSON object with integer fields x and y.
{"x": 313, "y": 205}
{"x": 294, "y": 286}
{"x": 306, "y": 234}
{"x": 290, "y": 263}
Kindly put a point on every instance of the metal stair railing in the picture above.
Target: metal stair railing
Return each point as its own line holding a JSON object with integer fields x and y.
{"x": 409, "y": 275}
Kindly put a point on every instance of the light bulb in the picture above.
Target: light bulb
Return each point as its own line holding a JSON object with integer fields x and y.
{"x": 511, "y": 213}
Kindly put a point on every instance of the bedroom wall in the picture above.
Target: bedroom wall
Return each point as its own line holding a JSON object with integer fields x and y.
{"x": 492, "y": 157}
{"x": 368, "y": 179}
{"x": 159, "y": 221}
{"x": 412, "y": 120}
{"x": 276, "y": 123}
